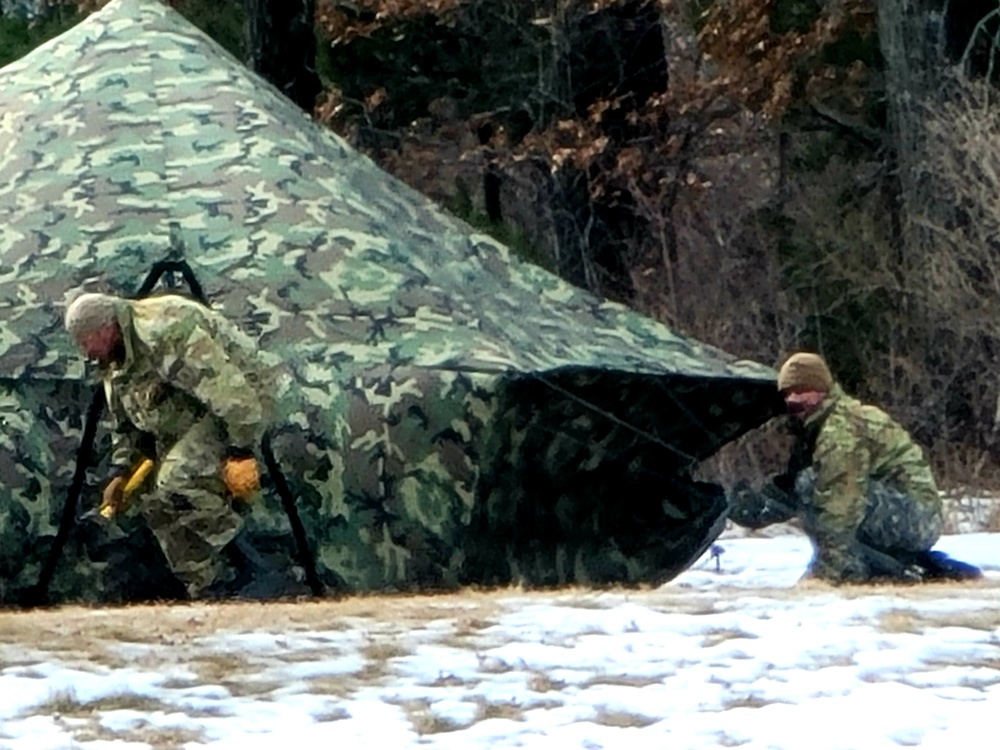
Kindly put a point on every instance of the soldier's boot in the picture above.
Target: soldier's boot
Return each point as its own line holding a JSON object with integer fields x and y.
{"x": 938, "y": 566}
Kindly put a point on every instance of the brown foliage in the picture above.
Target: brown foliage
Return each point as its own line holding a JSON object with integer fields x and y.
{"x": 742, "y": 194}
{"x": 343, "y": 22}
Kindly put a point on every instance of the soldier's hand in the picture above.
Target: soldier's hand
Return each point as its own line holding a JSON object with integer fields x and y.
{"x": 241, "y": 476}
{"x": 113, "y": 497}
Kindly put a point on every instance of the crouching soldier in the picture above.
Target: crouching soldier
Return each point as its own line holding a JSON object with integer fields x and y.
{"x": 183, "y": 390}
{"x": 858, "y": 482}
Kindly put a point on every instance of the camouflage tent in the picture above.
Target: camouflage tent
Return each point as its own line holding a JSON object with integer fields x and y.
{"x": 454, "y": 415}
{"x": 22, "y": 8}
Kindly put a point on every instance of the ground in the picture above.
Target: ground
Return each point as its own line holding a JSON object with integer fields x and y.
{"x": 734, "y": 653}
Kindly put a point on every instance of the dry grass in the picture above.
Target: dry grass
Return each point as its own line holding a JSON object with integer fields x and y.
{"x": 543, "y": 683}
{"x": 745, "y": 701}
{"x": 622, "y": 719}
{"x": 378, "y": 653}
{"x": 372, "y": 672}
{"x": 450, "y": 680}
{"x": 383, "y": 650}
{"x": 219, "y": 667}
{"x": 510, "y": 710}
{"x": 251, "y": 688}
{"x": 989, "y": 662}
{"x": 898, "y": 621}
{"x": 66, "y": 704}
{"x": 912, "y": 621}
{"x": 472, "y": 625}
{"x": 336, "y": 685}
{"x": 715, "y": 637}
{"x": 180, "y": 683}
{"x": 828, "y": 661}
{"x": 65, "y": 628}
{"x": 493, "y": 665}
{"x": 425, "y": 721}
{"x": 623, "y": 680}
{"x": 81, "y": 630}
{"x": 159, "y": 738}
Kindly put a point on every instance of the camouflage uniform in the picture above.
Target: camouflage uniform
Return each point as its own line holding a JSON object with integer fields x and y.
{"x": 189, "y": 380}
{"x": 862, "y": 488}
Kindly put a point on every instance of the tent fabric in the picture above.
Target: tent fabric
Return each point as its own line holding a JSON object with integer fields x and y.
{"x": 439, "y": 393}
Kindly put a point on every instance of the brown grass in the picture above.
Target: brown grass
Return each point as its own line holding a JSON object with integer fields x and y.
{"x": 746, "y": 701}
{"x": 425, "y": 721}
{"x": 898, "y": 621}
{"x": 623, "y": 680}
{"x": 72, "y": 627}
{"x": 472, "y": 625}
{"x": 337, "y": 685}
{"x": 159, "y": 738}
{"x": 622, "y": 719}
{"x": 383, "y": 650}
{"x": 450, "y": 680}
{"x": 64, "y": 628}
{"x": 220, "y": 667}
{"x": 542, "y": 683}
{"x": 825, "y": 661}
{"x": 66, "y": 704}
{"x": 911, "y": 621}
{"x": 715, "y": 637}
{"x": 511, "y": 710}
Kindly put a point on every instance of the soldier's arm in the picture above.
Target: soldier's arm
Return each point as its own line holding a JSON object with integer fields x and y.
{"x": 199, "y": 365}
{"x": 842, "y": 466}
{"x": 756, "y": 509}
{"x": 125, "y": 436}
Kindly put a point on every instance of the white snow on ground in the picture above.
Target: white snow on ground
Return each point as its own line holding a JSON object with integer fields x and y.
{"x": 743, "y": 656}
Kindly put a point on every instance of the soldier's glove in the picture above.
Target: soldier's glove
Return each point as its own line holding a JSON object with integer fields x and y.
{"x": 240, "y": 474}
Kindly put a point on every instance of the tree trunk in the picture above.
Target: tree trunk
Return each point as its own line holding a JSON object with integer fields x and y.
{"x": 911, "y": 37}
{"x": 281, "y": 47}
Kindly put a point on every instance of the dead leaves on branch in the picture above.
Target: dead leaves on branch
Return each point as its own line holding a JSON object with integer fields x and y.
{"x": 345, "y": 20}
{"x": 760, "y": 66}
{"x": 748, "y": 70}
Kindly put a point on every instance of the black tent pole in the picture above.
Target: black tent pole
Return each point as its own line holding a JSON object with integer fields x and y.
{"x": 38, "y": 595}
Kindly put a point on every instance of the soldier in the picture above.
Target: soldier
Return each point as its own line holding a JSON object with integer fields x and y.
{"x": 859, "y": 483}
{"x": 183, "y": 389}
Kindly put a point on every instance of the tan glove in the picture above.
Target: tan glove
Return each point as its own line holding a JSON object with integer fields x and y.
{"x": 242, "y": 477}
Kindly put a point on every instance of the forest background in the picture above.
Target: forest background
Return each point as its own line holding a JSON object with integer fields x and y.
{"x": 764, "y": 175}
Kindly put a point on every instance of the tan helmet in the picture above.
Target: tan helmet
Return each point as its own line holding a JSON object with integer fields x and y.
{"x": 805, "y": 371}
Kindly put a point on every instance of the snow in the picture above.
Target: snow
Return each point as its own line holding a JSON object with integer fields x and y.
{"x": 746, "y": 655}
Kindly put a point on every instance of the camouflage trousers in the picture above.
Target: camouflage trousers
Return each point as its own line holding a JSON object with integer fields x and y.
{"x": 894, "y": 522}
{"x": 189, "y": 512}
{"x": 894, "y": 528}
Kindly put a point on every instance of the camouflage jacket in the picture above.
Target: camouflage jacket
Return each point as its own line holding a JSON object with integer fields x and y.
{"x": 182, "y": 362}
{"x": 851, "y": 445}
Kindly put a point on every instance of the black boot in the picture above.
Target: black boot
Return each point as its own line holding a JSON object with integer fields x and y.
{"x": 940, "y": 567}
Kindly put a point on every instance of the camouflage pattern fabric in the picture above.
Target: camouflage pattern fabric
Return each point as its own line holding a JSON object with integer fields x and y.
{"x": 188, "y": 511}
{"x": 25, "y": 9}
{"x": 192, "y": 382}
{"x": 867, "y": 493}
{"x": 450, "y": 414}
